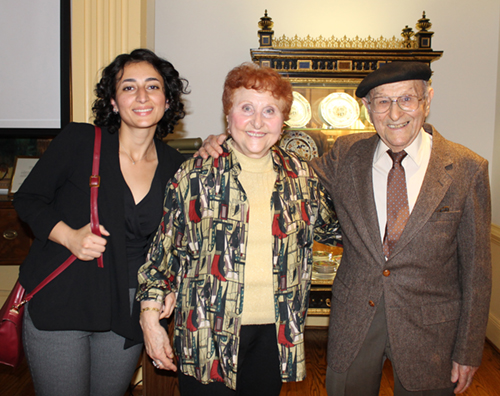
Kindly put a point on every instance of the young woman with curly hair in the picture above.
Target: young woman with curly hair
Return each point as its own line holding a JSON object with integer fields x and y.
{"x": 81, "y": 332}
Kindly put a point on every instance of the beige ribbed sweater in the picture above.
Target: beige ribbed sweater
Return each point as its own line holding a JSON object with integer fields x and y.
{"x": 258, "y": 178}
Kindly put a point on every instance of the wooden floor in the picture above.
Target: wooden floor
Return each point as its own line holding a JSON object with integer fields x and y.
{"x": 486, "y": 382}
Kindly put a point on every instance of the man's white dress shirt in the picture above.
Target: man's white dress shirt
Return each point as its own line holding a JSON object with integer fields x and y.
{"x": 415, "y": 165}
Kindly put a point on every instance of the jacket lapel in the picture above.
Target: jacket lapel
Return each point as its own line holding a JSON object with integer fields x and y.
{"x": 436, "y": 183}
{"x": 362, "y": 208}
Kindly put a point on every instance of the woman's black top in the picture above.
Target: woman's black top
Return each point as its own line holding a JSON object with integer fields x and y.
{"x": 141, "y": 223}
{"x": 84, "y": 297}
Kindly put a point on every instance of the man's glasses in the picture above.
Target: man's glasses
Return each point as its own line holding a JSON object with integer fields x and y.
{"x": 382, "y": 104}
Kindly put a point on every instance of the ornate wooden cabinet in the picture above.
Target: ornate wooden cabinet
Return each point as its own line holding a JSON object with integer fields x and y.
{"x": 325, "y": 73}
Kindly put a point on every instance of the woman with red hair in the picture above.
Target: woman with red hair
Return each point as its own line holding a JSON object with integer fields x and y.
{"x": 234, "y": 252}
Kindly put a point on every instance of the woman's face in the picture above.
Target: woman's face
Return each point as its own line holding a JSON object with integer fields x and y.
{"x": 140, "y": 97}
{"x": 255, "y": 121}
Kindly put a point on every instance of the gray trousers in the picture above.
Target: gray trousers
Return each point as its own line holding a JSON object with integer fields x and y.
{"x": 363, "y": 377}
{"x": 78, "y": 363}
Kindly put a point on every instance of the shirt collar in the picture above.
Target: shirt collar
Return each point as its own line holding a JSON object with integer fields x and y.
{"x": 416, "y": 150}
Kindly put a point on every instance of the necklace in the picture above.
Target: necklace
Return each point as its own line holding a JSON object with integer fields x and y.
{"x": 131, "y": 159}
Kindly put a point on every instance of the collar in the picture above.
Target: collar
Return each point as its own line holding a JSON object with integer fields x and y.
{"x": 282, "y": 161}
{"x": 416, "y": 150}
{"x": 252, "y": 165}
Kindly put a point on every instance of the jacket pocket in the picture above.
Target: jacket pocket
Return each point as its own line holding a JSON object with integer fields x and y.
{"x": 440, "y": 313}
{"x": 446, "y": 216}
{"x": 340, "y": 291}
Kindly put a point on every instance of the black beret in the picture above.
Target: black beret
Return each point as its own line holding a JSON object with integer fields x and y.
{"x": 393, "y": 72}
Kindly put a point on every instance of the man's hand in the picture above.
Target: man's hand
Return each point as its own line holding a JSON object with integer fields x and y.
{"x": 211, "y": 146}
{"x": 462, "y": 375}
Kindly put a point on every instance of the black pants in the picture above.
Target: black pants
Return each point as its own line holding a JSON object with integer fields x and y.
{"x": 258, "y": 367}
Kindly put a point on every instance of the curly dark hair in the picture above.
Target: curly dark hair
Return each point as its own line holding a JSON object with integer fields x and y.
{"x": 105, "y": 90}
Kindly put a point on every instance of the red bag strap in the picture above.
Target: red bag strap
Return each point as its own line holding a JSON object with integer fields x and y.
{"x": 50, "y": 278}
{"x": 95, "y": 182}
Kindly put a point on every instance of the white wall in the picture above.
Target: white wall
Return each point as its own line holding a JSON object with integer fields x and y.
{"x": 205, "y": 39}
{"x": 495, "y": 174}
{"x": 493, "y": 330}
{"x": 30, "y": 65}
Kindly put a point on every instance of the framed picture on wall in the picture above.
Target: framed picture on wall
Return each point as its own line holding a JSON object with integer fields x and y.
{"x": 38, "y": 63}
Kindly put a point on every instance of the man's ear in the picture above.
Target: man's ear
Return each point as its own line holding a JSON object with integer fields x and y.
{"x": 430, "y": 95}
{"x": 367, "y": 105}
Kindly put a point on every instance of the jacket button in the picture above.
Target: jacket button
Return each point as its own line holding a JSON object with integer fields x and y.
{"x": 372, "y": 304}
{"x": 386, "y": 273}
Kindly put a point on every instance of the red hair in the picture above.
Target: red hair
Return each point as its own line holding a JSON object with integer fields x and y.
{"x": 251, "y": 76}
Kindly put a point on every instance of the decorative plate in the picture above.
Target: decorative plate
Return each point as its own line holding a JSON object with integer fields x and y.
{"x": 300, "y": 143}
{"x": 339, "y": 110}
{"x": 300, "y": 113}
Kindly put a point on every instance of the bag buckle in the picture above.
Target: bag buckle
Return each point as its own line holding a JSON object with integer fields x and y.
{"x": 15, "y": 308}
{"x": 95, "y": 181}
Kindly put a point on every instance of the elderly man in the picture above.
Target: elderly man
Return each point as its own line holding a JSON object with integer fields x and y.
{"x": 414, "y": 283}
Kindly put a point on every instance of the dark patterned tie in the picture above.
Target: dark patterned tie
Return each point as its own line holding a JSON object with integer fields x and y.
{"x": 397, "y": 202}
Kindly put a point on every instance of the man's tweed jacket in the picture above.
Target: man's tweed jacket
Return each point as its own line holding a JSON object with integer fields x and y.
{"x": 438, "y": 290}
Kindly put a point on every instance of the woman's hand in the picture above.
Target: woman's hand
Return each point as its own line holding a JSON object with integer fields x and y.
{"x": 168, "y": 305}
{"x": 156, "y": 338}
{"x": 82, "y": 243}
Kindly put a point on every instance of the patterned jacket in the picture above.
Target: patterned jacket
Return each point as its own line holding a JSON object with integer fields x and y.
{"x": 199, "y": 252}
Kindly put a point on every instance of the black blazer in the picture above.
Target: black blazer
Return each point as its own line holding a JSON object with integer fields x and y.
{"x": 84, "y": 297}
